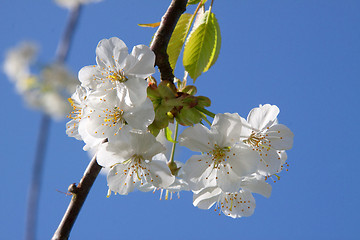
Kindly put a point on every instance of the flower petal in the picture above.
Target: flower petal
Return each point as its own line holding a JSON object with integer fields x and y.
{"x": 227, "y": 128}
{"x": 281, "y": 137}
{"x": 235, "y": 205}
{"x": 263, "y": 116}
{"x": 144, "y": 64}
{"x": 258, "y": 185}
{"x": 243, "y": 160}
{"x": 199, "y": 172}
{"x": 136, "y": 91}
{"x": 196, "y": 138}
{"x": 119, "y": 180}
{"x": 206, "y": 198}
{"x": 109, "y": 50}
{"x": 160, "y": 174}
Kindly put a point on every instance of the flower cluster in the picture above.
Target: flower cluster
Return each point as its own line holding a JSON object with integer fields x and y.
{"x": 47, "y": 91}
{"x": 119, "y": 110}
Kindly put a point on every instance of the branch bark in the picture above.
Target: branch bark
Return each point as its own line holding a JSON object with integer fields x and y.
{"x": 163, "y": 35}
{"x": 79, "y": 193}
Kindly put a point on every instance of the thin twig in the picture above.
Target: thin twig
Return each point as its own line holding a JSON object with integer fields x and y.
{"x": 163, "y": 35}
{"x": 65, "y": 43}
{"x": 35, "y": 185}
{"x": 159, "y": 46}
{"x": 79, "y": 193}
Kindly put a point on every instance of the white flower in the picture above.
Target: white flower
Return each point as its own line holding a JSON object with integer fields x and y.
{"x": 78, "y": 102}
{"x": 224, "y": 161}
{"x": 233, "y": 204}
{"x": 105, "y": 116}
{"x": 73, "y": 3}
{"x": 268, "y": 138}
{"x": 116, "y": 69}
{"x": 17, "y": 65}
{"x": 131, "y": 158}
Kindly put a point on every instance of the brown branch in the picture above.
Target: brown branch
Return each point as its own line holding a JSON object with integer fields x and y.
{"x": 163, "y": 35}
{"x": 79, "y": 193}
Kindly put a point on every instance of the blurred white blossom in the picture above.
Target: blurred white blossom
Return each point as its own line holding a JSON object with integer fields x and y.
{"x": 73, "y": 3}
{"x": 47, "y": 91}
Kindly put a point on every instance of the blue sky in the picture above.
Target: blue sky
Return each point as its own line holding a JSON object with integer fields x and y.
{"x": 303, "y": 56}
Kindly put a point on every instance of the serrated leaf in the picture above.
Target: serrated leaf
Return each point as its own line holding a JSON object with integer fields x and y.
{"x": 216, "y": 49}
{"x": 201, "y": 46}
{"x": 152, "y": 25}
{"x": 168, "y": 135}
{"x": 178, "y": 38}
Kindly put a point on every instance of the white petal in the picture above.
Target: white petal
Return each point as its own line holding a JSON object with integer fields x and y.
{"x": 206, "y": 198}
{"x": 269, "y": 161}
{"x": 263, "y": 116}
{"x": 227, "y": 180}
{"x": 145, "y": 144}
{"x": 110, "y": 154}
{"x": 227, "y": 128}
{"x": 88, "y": 76}
{"x": 140, "y": 117}
{"x": 109, "y": 50}
{"x": 281, "y": 137}
{"x": 258, "y": 185}
{"x": 72, "y": 129}
{"x": 160, "y": 174}
{"x": 241, "y": 204}
{"x": 196, "y": 138}
{"x": 243, "y": 160}
{"x": 199, "y": 173}
{"x": 145, "y": 62}
{"x": 119, "y": 180}
{"x": 136, "y": 91}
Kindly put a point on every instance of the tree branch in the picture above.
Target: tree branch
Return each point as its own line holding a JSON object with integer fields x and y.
{"x": 79, "y": 193}
{"x": 163, "y": 35}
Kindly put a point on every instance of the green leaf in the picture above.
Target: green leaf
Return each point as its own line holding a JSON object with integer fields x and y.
{"x": 178, "y": 38}
{"x": 216, "y": 49}
{"x": 202, "y": 46}
{"x": 168, "y": 134}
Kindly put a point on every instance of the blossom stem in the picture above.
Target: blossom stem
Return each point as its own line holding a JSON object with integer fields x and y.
{"x": 35, "y": 185}
{"x": 163, "y": 35}
{"x": 174, "y": 143}
{"x": 79, "y": 193}
{"x": 207, "y": 112}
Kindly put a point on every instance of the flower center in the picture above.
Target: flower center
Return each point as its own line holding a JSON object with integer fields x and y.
{"x": 114, "y": 116}
{"x": 219, "y": 155}
{"x": 118, "y": 76}
{"x": 137, "y": 167}
{"x": 258, "y": 140}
